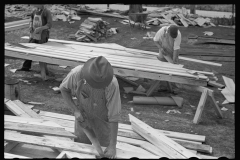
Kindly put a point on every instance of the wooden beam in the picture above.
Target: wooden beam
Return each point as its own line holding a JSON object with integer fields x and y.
{"x": 187, "y": 144}
{"x": 62, "y": 155}
{"x": 200, "y": 61}
{"x": 230, "y": 84}
{"x": 200, "y": 107}
{"x": 15, "y": 109}
{"x": 67, "y": 145}
{"x": 44, "y": 130}
{"x": 215, "y": 84}
{"x": 26, "y": 109}
{"x": 128, "y": 81}
{"x": 16, "y": 27}
{"x": 71, "y": 155}
{"x": 11, "y": 156}
{"x": 173, "y": 149}
{"x": 9, "y": 146}
{"x": 153, "y": 87}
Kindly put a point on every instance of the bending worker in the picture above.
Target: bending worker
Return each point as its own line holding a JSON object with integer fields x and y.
{"x": 168, "y": 40}
{"x": 98, "y": 110}
{"x": 40, "y": 23}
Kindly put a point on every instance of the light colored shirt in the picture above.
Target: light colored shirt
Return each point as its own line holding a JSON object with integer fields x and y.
{"x": 177, "y": 40}
{"x": 112, "y": 93}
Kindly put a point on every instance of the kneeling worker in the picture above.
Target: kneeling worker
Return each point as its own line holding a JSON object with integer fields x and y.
{"x": 168, "y": 40}
{"x": 98, "y": 110}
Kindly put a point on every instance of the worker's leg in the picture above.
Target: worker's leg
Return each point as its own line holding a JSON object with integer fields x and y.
{"x": 27, "y": 63}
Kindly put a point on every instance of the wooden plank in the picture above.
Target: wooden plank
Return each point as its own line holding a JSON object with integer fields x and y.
{"x": 11, "y": 156}
{"x": 171, "y": 134}
{"x": 228, "y": 95}
{"x": 62, "y": 155}
{"x": 26, "y": 109}
{"x": 146, "y": 52}
{"x": 187, "y": 144}
{"x": 230, "y": 84}
{"x": 15, "y": 109}
{"x": 67, "y": 145}
{"x": 154, "y": 86}
{"x": 200, "y": 61}
{"x": 16, "y": 27}
{"x": 200, "y": 107}
{"x": 173, "y": 149}
{"x": 33, "y": 121}
{"x": 169, "y": 20}
{"x": 44, "y": 130}
{"x": 129, "y": 147}
{"x": 183, "y": 21}
{"x": 16, "y": 22}
{"x": 216, "y": 107}
{"x": 206, "y": 156}
{"x": 215, "y": 84}
{"x": 34, "y": 151}
{"x": 71, "y": 155}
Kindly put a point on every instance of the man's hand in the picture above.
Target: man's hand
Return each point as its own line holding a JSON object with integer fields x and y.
{"x": 37, "y": 30}
{"x": 110, "y": 151}
{"x": 81, "y": 118}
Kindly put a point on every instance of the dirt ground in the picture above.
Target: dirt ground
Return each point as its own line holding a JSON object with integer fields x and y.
{"x": 220, "y": 133}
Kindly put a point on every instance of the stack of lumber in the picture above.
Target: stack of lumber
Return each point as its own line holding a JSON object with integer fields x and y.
{"x": 119, "y": 57}
{"x": 92, "y": 29}
{"x": 38, "y": 135}
{"x": 18, "y": 10}
{"x": 16, "y": 25}
{"x": 177, "y": 16}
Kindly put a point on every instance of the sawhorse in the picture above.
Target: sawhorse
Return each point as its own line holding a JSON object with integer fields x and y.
{"x": 205, "y": 93}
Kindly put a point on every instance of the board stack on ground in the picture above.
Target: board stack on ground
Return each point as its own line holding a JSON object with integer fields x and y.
{"x": 20, "y": 11}
{"x": 178, "y": 16}
{"x": 92, "y": 29}
{"x": 50, "y": 135}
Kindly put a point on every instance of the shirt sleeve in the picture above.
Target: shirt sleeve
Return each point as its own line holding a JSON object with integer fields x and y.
{"x": 177, "y": 41}
{"x": 158, "y": 35}
{"x": 113, "y": 101}
{"x": 70, "y": 81}
{"x": 48, "y": 17}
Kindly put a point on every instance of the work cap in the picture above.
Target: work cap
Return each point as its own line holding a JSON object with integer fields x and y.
{"x": 98, "y": 72}
{"x": 173, "y": 30}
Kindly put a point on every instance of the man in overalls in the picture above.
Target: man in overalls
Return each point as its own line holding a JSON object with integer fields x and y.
{"x": 98, "y": 103}
{"x": 168, "y": 40}
{"x": 41, "y": 22}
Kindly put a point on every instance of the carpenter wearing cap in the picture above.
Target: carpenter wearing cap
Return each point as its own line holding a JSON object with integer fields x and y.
{"x": 173, "y": 31}
{"x": 98, "y": 72}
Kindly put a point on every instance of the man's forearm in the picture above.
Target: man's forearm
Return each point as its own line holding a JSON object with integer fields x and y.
{"x": 113, "y": 133}
{"x": 175, "y": 56}
{"x": 68, "y": 98}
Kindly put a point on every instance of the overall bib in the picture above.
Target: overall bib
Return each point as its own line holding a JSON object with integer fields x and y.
{"x": 37, "y": 22}
{"x": 167, "y": 43}
{"x": 92, "y": 104}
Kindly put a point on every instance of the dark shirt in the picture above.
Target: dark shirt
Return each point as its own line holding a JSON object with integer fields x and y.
{"x": 46, "y": 17}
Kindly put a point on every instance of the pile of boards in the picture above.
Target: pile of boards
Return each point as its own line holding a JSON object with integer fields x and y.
{"x": 92, "y": 29}
{"x": 62, "y": 13}
{"x": 177, "y": 16}
{"x": 118, "y": 56}
{"x": 50, "y": 135}
{"x": 19, "y": 10}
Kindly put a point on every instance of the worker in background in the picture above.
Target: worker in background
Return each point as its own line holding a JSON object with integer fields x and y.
{"x": 168, "y": 40}
{"x": 98, "y": 102}
{"x": 40, "y": 23}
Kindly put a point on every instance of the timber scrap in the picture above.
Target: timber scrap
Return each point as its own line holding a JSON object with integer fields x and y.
{"x": 52, "y": 137}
